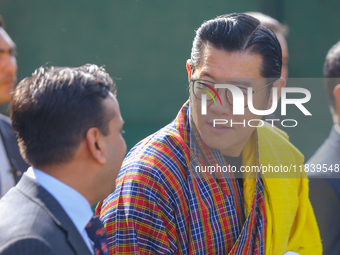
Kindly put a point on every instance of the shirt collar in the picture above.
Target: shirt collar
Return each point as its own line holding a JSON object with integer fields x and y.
{"x": 337, "y": 128}
{"x": 75, "y": 205}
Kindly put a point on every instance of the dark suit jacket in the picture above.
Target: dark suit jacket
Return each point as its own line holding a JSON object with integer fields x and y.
{"x": 11, "y": 146}
{"x": 324, "y": 191}
{"x": 33, "y": 222}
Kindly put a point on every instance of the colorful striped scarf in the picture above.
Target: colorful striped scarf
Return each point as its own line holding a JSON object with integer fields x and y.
{"x": 163, "y": 206}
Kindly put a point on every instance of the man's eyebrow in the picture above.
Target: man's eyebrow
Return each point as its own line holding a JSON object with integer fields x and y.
{"x": 14, "y": 48}
{"x": 204, "y": 73}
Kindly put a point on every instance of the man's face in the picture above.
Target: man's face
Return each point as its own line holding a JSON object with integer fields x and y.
{"x": 285, "y": 55}
{"x": 115, "y": 144}
{"x": 8, "y": 66}
{"x": 218, "y": 65}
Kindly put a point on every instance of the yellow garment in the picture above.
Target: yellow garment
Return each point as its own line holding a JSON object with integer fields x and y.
{"x": 291, "y": 224}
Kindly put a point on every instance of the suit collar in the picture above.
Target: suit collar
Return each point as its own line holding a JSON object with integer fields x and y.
{"x": 335, "y": 132}
{"x": 74, "y": 204}
{"x": 11, "y": 146}
{"x": 44, "y": 199}
{"x": 334, "y": 139}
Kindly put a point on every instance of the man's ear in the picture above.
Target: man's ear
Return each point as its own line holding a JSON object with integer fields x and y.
{"x": 279, "y": 84}
{"x": 336, "y": 93}
{"x": 189, "y": 69}
{"x": 96, "y": 145}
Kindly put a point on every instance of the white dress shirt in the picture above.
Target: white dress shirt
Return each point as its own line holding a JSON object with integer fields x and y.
{"x": 6, "y": 176}
{"x": 337, "y": 128}
{"x": 75, "y": 205}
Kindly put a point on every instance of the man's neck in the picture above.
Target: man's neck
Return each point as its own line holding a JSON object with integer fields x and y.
{"x": 73, "y": 176}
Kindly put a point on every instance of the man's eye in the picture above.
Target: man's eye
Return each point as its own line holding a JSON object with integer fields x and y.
{"x": 205, "y": 84}
{"x": 244, "y": 90}
{"x": 13, "y": 53}
{"x": 202, "y": 84}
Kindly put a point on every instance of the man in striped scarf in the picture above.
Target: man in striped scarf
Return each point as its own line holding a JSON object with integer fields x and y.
{"x": 183, "y": 190}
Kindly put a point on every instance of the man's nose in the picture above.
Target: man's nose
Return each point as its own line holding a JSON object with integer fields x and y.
{"x": 221, "y": 109}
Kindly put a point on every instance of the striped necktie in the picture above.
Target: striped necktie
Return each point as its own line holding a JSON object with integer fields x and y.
{"x": 97, "y": 233}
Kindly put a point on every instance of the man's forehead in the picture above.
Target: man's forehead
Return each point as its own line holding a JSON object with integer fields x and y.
{"x": 218, "y": 63}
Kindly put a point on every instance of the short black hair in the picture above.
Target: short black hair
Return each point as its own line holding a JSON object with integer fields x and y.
{"x": 331, "y": 71}
{"x": 52, "y": 110}
{"x": 2, "y": 22}
{"x": 239, "y": 32}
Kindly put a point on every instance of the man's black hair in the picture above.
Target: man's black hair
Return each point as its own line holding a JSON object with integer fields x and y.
{"x": 52, "y": 110}
{"x": 331, "y": 71}
{"x": 2, "y": 23}
{"x": 239, "y": 33}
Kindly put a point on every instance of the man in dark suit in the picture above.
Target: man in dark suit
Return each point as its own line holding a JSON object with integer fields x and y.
{"x": 70, "y": 130}
{"x": 11, "y": 163}
{"x": 325, "y": 185}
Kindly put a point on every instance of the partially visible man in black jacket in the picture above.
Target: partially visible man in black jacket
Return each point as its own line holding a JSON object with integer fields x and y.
{"x": 325, "y": 184}
{"x": 11, "y": 163}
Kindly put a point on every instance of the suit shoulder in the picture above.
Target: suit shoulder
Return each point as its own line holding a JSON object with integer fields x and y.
{"x": 40, "y": 222}
{"x": 329, "y": 151}
{"x": 6, "y": 128}
{"x": 4, "y": 118}
{"x": 5, "y": 122}
{"x": 26, "y": 245}
{"x": 9, "y": 140}
{"x": 28, "y": 215}
{"x": 323, "y": 154}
